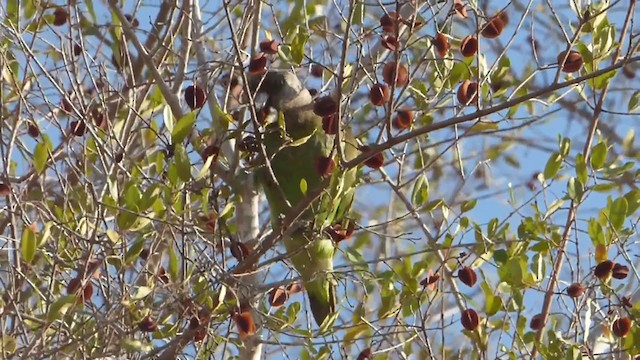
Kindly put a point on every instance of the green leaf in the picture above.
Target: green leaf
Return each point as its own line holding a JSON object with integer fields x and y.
{"x": 228, "y": 211}
{"x": 553, "y": 165}
{"x": 565, "y": 147}
{"x": 303, "y": 186}
{"x": 173, "y": 264}
{"x": 575, "y": 189}
{"x": 634, "y": 102}
{"x": 595, "y": 232}
{"x": 468, "y": 205}
{"x": 482, "y": 126}
{"x": 358, "y": 13}
{"x": 599, "y": 155}
{"x": 41, "y": 154}
{"x": 493, "y": 304}
{"x": 581, "y": 169}
{"x": 328, "y": 322}
{"x": 91, "y": 9}
{"x": 298, "y": 44}
{"x": 183, "y": 164}
{"x": 141, "y": 292}
{"x": 302, "y": 140}
{"x": 113, "y": 236}
{"x": 420, "y": 193}
{"x": 8, "y": 345}
{"x": 633, "y": 201}
{"x": 12, "y": 12}
{"x": 134, "y": 251}
{"x": 60, "y": 307}
{"x": 555, "y": 205}
{"x": 618, "y": 213}
{"x": 183, "y": 127}
{"x": 28, "y": 244}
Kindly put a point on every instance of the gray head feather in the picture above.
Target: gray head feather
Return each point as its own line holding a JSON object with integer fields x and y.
{"x": 283, "y": 88}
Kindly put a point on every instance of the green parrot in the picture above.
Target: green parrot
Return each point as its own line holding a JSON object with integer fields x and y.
{"x": 299, "y": 154}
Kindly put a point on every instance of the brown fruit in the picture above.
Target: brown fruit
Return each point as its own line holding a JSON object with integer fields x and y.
{"x": 575, "y": 290}
{"x": 379, "y": 94}
{"x": 209, "y": 221}
{"x": 162, "y": 275}
{"x": 195, "y": 96}
{"x": 403, "y": 119}
{"x": 294, "y": 288}
{"x": 144, "y": 254}
{"x": 365, "y": 354}
{"x": 467, "y": 276}
{"x": 98, "y": 118}
{"x": 77, "y": 49}
{"x": 78, "y": 128}
{"x": 603, "y": 270}
{"x": 339, "y": 233}
{"x": 389, "y": 22}
{"x": 240, "y": 250}
{"x": 277, "y": 297}
{"x": 316, "y": 70}
{"x": 504, "y": 17}
{"x": 469, "y": 46}
{"x": 430, "y": 280}
{"x": 325, "y": 166}
{"x": 258, "y": 64}
{"x": 441, "y": 44}
{"x": 5, "y": 190}
{"x": 572, "y": 63}
{"x": 391, "y": 43}
{"x": 628, "y": 71}
{"x": 269, "y": 47}
{"x": 148, "y": 325}
{"x": 467, "y": 93}
{"x": 621, "y": 327}
{"x": 325, "y": 106}
{"x": 33, "y": 130}
{"x": 133, "y": 21}
{"x": 620, "y": 271}
{"x": 74, "y": 288}
{"x": 493, "y": 28}
{"x": 390, "y": 75}
{"x": 210, "y": 150}
{"x": 60, "y": 16}
{"x": 375, "y": 161}
{"x": 470, "y": 319}
{"x": 460, "y": 9}
{"x": 66, "y": 106}
{"x": 536, "y": 322}
{"x": 330, "y": 124}
{"x": 246, "y": 325}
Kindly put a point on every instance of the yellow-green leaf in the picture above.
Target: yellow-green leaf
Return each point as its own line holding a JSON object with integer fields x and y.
{"x": 41, "y": 154}
{"x": 28, "y": 244}
{"x": 60, "y": 307}
{"x": 183, "y": 127}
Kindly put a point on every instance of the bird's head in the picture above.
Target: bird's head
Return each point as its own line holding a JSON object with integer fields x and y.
{"x": 283, "y": 89}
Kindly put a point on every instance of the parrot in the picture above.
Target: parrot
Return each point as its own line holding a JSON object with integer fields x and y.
{"x": 298, "y": 151}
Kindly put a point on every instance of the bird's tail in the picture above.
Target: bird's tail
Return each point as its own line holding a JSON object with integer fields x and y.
{"x": 322, "y": 297}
